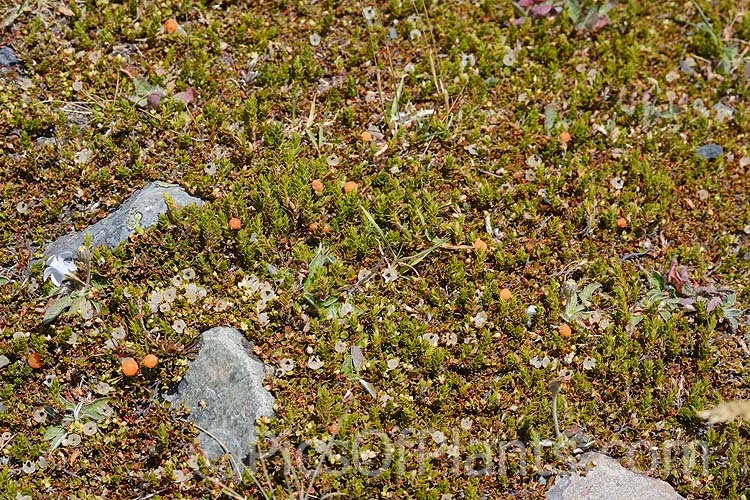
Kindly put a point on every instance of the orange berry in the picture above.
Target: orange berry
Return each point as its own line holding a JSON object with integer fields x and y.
{"x": 317, "y": 186}
{"x": 326, "y": 229}
{"x": 149, "y": 361}
{"x": 480, "y": 245}
{"x": 565, "y": 330}
{"x": 170, "y": 26}
{"x": 34, "y": 360}
{"x": 313, "y": 227}
{"x": 505, "y": 294}
{"x": 622, "y": 222}
{"x": 365, "y": 136}
{"x": 129, "y": 367}
{"x": 351, "y": 187}
{"x": 564, "y": 137}
{"x": 234, "y": 223}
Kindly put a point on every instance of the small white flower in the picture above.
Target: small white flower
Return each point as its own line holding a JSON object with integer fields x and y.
{"x": 341, "y": 347}
{"x": 40, "y": 416}
{"x": 431, "y": 338}
{"x": 29, "y": 467}
{"x": 346, "y": 309}
{"x": 480, "y": 319}
{"x": 286, "y": 365}
{"x": 170, "y": 294}
{"x": 589, "y": 363}
{"x": 106, "y": 410}
{"x": 390, "y": 274}
{"x": 90, "y": 428}
{"x": 263, "y": 319}
{"x": 369, "y": 13}
{"x": 72, "y": 440}
{"x": 530, "y": 314}
{"x": 179, "y": 325}
{"x": 267, "y": 293}
{"x": 59, "y": 267}
{"x": 314, "y": 363}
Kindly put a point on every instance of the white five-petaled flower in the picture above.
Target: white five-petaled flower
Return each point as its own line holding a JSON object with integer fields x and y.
{"x": 59, "y": 267}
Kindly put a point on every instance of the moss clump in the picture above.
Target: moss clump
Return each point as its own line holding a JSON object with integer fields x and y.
{"x": 570, "y": 153}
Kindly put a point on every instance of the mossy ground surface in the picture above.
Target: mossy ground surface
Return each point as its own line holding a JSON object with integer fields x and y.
{"x": 562, "y": 150}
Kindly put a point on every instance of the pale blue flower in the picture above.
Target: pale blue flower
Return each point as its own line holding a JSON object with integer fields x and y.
{"x": 59, "y": 267}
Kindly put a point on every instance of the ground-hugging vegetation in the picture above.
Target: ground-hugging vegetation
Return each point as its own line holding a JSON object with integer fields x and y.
{"x": 428, "y": 196}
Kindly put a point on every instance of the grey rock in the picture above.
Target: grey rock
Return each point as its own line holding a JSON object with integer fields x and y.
{"x": 7, "y": 57}
{"x": 223, "y": 389}
{"x": 608, "y": 480}
{"x": 710, "y": 151}
{"x": 141, "y": 210}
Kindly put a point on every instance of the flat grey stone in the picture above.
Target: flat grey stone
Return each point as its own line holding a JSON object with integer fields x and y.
{"x": 223, "y": 389}
{"x": 608, "y": 480}
{"x": 710, "y": 151}
{"x": 7, "y": 57}
{"x": 141, "y": 210}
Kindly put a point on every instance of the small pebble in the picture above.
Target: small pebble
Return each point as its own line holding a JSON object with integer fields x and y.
{"x": 710, "y": 151}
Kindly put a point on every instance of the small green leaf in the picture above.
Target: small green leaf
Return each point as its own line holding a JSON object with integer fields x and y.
{"x": 634, "y": 320}
{"x": 372, "y": 222}
{"x": 369, "y": 388}
{"x": 55, "y": 434}
{"x": 588, "y": 291}
{"x": 13, "y": 15}
{"x": 348, "y": 367}
{"x": 394, "y": 105}
{"x": 56, "y": 308}
{"x": 94, "y": 409}
{"x": 550, "y": 115}
{"x": 143, "y": 89}
{"x": 320, "y": 260}
{"x": 415, "y": 259}
{"x": 573, "y": 10}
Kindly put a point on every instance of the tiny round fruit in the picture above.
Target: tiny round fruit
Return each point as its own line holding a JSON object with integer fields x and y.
{"x": 314, "y": 227}
{"x": 622, "y": 222}
{"x": 235, "y": 224}
{"x": 170, "y": 26}
{"x": 506, "y": 294}
{"x": 34, "y": 360}
{"x": 150, "y": 361}
{"x": 129, "y": 367}
{"x": 564, "y": 137}
{"x": 317, "y": 186}
{"x": 365, "y": 136}
{"x": 565, "y": 330}
{"x": 480, "y": 245}
{"x": 351, "y": 187}
{"x": 326, "y": 229}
